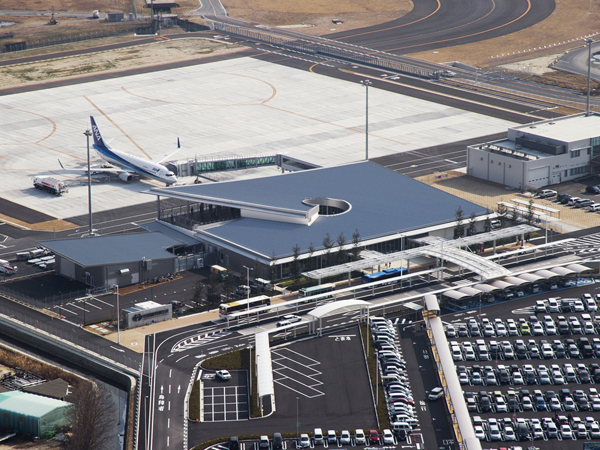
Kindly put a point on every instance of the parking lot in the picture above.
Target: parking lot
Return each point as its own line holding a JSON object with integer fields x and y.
{"x": 529, "y": 368}
{"x": 225, "y": 400}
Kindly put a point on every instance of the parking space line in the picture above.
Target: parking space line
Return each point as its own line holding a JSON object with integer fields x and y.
{"x": 102, "y": 301}
{"x": 83, "y": 309}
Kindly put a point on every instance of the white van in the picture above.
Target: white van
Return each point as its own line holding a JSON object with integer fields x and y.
{"x": 318, "y": 436}
{"x": 593, "y": 207}
{"x": 401, "y": 427}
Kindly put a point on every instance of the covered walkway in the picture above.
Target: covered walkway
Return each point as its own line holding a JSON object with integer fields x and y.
{"x": 449, "y": 250}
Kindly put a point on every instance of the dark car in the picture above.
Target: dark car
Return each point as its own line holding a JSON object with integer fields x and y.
{"x": 234, "y": 443}
{"x": 566, "y": 305}
{"x": 565, "y": 198}
{"x": 592, "y": 190}
{"x": 277, "y": 441}
{"x": 584, "y": 375}
{"x": 561, "y": 197}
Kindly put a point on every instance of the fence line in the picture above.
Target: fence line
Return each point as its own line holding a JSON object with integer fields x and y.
{"x": 536, "y": 51}
{"x": 315, "y": 48}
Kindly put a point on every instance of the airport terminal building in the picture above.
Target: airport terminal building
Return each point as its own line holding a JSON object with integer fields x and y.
{"x": 540, "y": 154}
{"x": 323, "y": 213}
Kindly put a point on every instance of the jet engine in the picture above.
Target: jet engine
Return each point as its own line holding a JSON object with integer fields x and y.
{"x": 124, "y": 176}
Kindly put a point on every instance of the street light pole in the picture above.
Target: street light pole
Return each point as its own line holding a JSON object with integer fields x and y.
{"x": 297, "y": 420}
{"x": 146, "y": 422}
{"x": 248, "y": 269}
{"x": 366, "y": 84}
{"x": 118, "y": 316}
{"x": 589, "y": 44}
{"x": 88, "y": 133}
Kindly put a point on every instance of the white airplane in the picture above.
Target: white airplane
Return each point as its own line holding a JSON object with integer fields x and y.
{"x": 127, "y": 166}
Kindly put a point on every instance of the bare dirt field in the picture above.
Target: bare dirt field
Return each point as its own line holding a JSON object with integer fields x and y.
{"x": 71, "y": 5}
{"x": 113, "y": 60}
{"x": 318, "y": 14}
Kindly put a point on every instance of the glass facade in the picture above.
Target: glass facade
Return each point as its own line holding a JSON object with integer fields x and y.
{"x": 234, "y": 163}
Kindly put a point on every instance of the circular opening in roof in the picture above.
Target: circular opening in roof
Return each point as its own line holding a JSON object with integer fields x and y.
{"x": 328, "y": 206}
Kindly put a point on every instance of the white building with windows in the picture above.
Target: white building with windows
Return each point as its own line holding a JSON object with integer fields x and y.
{"x": 540, "y": 154}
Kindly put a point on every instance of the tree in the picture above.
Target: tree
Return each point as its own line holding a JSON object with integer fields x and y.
{"x": 472, "y": 230}
{"x": 199, "y": 293}
{"x": 530, "y": 216}
{"x": 295, "y": 265}
{"x": 487, "y": 224}
{"x": 92, "y": 418}
{"x": 459, "y": 228}
{"x": 228, "y": 286}
{"x": 341, "y": 242}
{"x": 213, "y": 290}
{"x": 328, "y": 244}
{"x": 310, "y": 262}
{"x": 355, "y": 245}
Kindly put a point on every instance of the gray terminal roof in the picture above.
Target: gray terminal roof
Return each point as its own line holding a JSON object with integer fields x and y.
{"x": 383, "y": 203}
{"x": 114, "y": 249}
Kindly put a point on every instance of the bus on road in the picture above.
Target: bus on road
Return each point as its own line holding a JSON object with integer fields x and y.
{"x": 226, "y": 309}
{"x": 386, "y": 273}
{"x": 317, "y": 290}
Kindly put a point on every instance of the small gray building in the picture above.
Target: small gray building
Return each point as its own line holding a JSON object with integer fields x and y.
{"x": 145, "y": 313}
{"x": 122, "y": 259}
{"x": 540, "y": 154}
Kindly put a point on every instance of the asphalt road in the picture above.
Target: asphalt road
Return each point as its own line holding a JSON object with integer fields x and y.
{"x": 576, "y": 61}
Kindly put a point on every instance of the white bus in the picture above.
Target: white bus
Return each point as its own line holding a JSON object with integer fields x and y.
{"x": 226, "y": 309}
{"x": 324, "y": 289}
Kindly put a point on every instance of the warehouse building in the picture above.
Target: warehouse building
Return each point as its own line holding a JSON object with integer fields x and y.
{"x": 540, "y": 154}
{"x": 30, "y": 413}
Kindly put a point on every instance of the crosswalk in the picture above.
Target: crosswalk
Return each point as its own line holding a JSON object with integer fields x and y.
{"x": 584, "y": 246}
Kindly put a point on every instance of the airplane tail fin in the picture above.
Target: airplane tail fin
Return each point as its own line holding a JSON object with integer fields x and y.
{"x": 98, "y": 141}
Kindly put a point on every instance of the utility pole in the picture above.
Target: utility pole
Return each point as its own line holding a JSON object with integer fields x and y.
{"x": 118, "y": 316}
{"x": 589, "y": 43}
{"x": 366, "y": 84}
{"x": 88, "y": 133}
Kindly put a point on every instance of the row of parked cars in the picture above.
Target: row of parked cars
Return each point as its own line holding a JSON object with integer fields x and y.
{"x": 521, "y": 429}
{"x": 394, "y": 377}
{"x": 524, "y": 400}
{"x": 587, "y": 323}
{"x": 319, "y": 438}
{"x": 528, "y": 375}
{"x": 570, "y": 200}
{"x": 569, "y": 348}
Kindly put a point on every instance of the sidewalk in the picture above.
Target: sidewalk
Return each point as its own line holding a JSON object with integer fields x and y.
{"x": 133, "y": 338}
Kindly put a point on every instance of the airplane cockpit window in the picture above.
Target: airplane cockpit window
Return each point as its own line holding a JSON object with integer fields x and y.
{"x": 170, "y": 174}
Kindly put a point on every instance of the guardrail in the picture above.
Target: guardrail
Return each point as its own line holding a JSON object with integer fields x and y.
{"x": 316, "y": 48}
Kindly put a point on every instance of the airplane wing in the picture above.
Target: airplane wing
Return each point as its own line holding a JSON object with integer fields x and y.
{"x": 167, "y": 156}
{"x": 96, "y": 170}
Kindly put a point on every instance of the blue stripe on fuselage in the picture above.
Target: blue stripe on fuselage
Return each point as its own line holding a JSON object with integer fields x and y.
{"x": 123, "y": 162}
